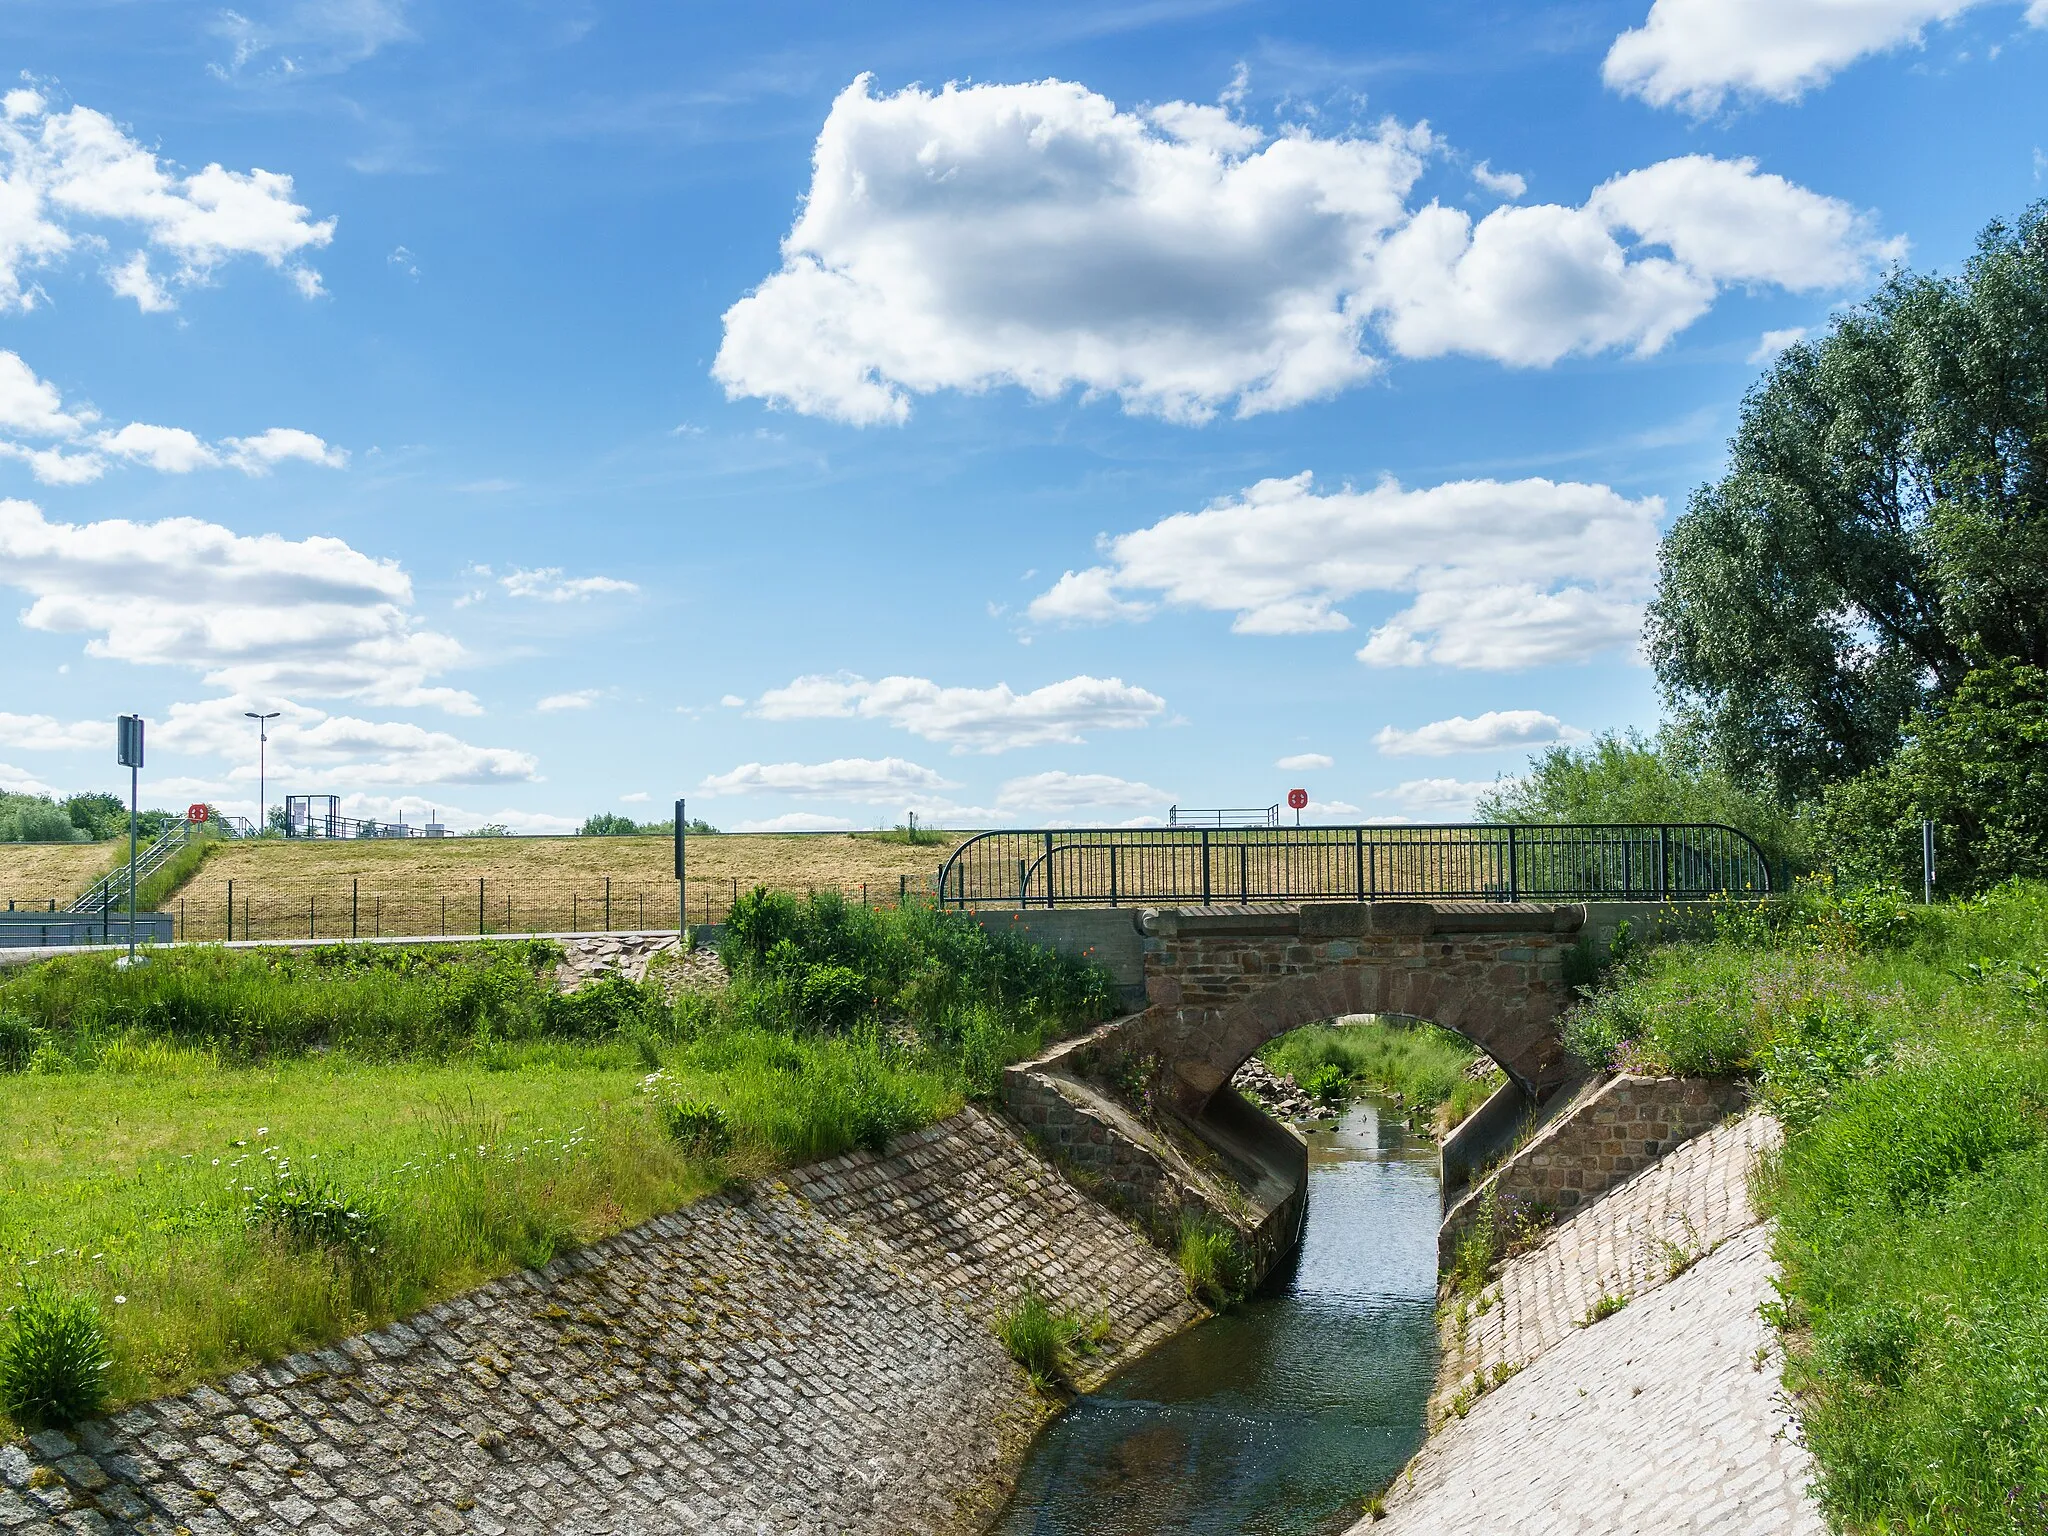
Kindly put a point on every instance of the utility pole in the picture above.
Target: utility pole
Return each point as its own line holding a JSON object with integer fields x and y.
{"x": 262, "y": 764}
{"x": 128, "y": 730}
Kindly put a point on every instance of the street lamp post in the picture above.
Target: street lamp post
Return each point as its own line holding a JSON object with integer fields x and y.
{"x": 262, "y": 753}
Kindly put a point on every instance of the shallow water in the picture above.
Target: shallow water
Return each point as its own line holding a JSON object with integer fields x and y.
{"x": 1279, "y": 1417}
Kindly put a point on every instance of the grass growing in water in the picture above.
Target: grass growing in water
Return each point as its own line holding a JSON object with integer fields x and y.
{"x": 243, "y": 1154}
{"x": 1426, "y": 1066}
{"x": 1906, "y": 1050}
{"x": 1214, "y": 1264}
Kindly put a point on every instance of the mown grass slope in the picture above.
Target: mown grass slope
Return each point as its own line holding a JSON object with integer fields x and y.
{"x": 403, "y": 886}
{"x": 35, "y": 874}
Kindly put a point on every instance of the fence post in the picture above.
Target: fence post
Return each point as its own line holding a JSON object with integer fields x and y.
{"x": 640, "y": 907}
{"x": 1205, "y": 866}
{"x": 607, "y": 903}
{"x": 572, "y": 912}
{"x": 380, "y": 917}
{"x": 231, "y": 912}
{"x": 479, "y": 906}
{"x": 444, "y": 917}
{"x": 902, "y": 890}
{"x": 355, "y": 904}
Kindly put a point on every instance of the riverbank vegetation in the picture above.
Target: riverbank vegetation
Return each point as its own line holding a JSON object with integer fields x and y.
{"x": 1905, "y": 1049}
{"x": 230, "y": 1155}
{"x": 1437, "y": 1077}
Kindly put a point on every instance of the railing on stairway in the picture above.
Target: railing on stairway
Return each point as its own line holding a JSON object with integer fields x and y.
{"x": 110, "y": 892}
{"x": 1241, "y": 865}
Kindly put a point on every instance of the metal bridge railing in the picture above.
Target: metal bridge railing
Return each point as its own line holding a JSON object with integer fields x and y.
{"x": 1237, "y": 865}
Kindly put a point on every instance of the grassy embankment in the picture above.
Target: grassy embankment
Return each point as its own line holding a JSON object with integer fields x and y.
{"x": 1427, "y": 1070}
{"x": 32, "y": 875}
{"x": 531, "y": 884}
{"x": 1906, "y": 1051}
{"x": 235, "y": 1155}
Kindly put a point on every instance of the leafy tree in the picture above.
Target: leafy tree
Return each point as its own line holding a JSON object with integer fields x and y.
{"x": 98, "y": 816}
{"x": 1977, "y": 767}
{"x": 1882, "y": 528}
{"x": 1623, "y": 776}
{"x": 609, "y": 824}
{"x": 35, "y": 819}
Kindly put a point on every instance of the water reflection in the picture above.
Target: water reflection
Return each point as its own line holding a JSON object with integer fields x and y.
{"x": 1278, "y": 1417}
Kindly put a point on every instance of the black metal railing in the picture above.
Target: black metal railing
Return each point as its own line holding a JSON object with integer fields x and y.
{"x": 1248, "y": 816}
{"x": 1240, "y": 865}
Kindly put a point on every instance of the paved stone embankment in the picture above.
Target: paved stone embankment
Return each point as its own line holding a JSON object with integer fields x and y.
{"x": 813, "y": 1356}
{"x": 1667, "y": 1415}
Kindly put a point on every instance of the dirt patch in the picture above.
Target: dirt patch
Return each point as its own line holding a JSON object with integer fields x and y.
{"x": 528, "y": 884}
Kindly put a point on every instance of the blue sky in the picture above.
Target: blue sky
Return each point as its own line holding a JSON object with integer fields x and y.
{"x": 1020, "y": 414}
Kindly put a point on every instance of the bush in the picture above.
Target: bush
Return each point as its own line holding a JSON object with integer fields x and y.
{"x": 1214, "y": 1264}
{"x": 53, "y": 1359}
{"x": 699, "y": 1128}
{"x": 1976, "y": 765}
{"x": 306, "y": 1211}
{"x": 35, "y": 819}
{"x": 1328, "y": 1084}
{"x": 20, "y": 1039}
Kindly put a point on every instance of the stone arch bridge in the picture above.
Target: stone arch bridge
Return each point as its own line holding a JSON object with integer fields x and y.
{"x": 1140, "y": 1106}
{"x": 1221, "y": 982}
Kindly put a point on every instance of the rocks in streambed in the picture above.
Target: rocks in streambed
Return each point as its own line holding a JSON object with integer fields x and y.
{"x": 1280, "y": 1096}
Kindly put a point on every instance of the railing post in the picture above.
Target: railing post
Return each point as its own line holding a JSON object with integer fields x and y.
{"x": 1358, "y": 859}
{"x": 1514, "y": 869}
{"x": 1022, "y": 888}
{"x": 1112, "y": 874}
{"x": 1205, "y": 866}
{"x": 1048, "y": 869}
{"x": 1663, "y": 862}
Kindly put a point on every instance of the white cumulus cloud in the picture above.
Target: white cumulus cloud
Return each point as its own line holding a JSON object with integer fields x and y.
{"x": 1186, "y": 262}
{"x": 1303, "y": 762}
{"x": 19, "y": 781}
{"x": 866, "y": 780}
{"x": 549, "y": 585}
{"x": 1437, "y": 799}
{"x": 1500, "y": 574}
{"x": 315, "y": 749}
{"x": 971, "y": 719}
{"x": 1695, "y": 54}
{"x": 1490, "y": 732}
{"x": 77, "y": 178}
{"x": 581, "y": 698}
{"x": 46, "y": 733}
{"x": 1060, "y": 793}
{"x": 312, "y": 617}
{"x": 797, "y": 821}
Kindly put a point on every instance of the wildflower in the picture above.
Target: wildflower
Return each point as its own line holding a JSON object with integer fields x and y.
{"x": 120, "y": 1301}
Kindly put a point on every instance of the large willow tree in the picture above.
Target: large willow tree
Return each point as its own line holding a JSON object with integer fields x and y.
{"x": 1882, "y": 529}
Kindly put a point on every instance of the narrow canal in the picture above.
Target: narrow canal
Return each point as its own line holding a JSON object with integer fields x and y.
{"x": 1278, "y": 1417}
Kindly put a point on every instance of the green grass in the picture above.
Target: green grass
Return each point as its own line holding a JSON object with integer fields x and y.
{"x": 234, "y": 1155}
{"x": 1214, "y": 1264}
{"x": 1907, "y": 1051}
{"x": 1048, "y": 1341}
{"x": 1427, "y": 1067}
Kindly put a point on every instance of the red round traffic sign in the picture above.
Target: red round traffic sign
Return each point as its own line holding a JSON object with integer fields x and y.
{"x": 1298, "y": 799}
{"x": 195, "y": 813}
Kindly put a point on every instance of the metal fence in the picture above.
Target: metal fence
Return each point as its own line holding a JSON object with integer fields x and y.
{"x": 1236, "y": 865}
{"x": 352, "y": 909}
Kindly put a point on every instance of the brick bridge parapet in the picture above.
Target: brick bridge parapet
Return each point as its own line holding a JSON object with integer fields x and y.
{"x": 1221, "y": 981}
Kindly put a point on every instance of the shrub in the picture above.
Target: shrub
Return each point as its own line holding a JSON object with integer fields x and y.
{"x": 698, "y": 1127}
{"x": 306, "y": 1211}
{"x": 1214, "y": 1264}
{"x": 20, "y": 1039}
{"x": 1329, "y": 1084}
{"x": 35, "y": 819}
{"x": 833, "y": 997}
{"x": 53, "y": 1358}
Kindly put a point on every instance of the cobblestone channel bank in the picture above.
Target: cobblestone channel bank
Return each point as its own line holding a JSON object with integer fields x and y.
{"x": 814, "y": 1356}
{"x": 1665, "y": 1416}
